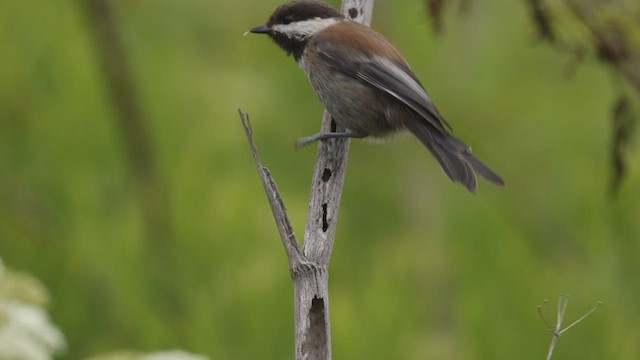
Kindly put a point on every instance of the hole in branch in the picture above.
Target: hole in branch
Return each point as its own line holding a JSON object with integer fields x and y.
{"x": 353, "y": 13}
{"x": 334, "y": 126}
{"x": 317, "y": 332}
{"x": 326, "y": 175}
{"x": 325, "y": 224}
{"x": 317, "y": 305}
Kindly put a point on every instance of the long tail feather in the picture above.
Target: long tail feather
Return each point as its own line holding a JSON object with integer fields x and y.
{"x": 454, "y": 157}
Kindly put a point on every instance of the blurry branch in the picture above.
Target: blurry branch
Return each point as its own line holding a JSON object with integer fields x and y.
{"x": 557, "y": 330}
{"x": 141, "y": 162}
{"x": 540, "y": 16}
{"x": 610, "y": 32}
{"x": 624, "y": 119}
{"x": 130, "y": 118}
{"x": 436, "y": 12}
{"x": 436, "y": 9}
{"x": 605, "y": 30}
{"x": 309, "y": 265}
{"x": 122, "y": 88}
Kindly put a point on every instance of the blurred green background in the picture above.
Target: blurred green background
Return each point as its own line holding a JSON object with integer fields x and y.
{"x": 421, "y": 269}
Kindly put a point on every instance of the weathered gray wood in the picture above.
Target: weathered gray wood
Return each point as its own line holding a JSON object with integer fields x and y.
{"x": 289, "y": 240}
{"x": 309, "y": 266}
{"x": 313, "y": 327}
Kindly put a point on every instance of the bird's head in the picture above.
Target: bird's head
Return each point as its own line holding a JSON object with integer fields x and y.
{"x": 292, "y": 24}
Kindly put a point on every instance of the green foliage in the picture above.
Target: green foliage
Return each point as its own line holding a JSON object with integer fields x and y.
{"x": 421, "y": 268}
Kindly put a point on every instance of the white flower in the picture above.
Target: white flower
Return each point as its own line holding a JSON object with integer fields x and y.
{"x": 161, "y": 355}
{"x": 174, "y": 355}
{"x": 26, "y": 333}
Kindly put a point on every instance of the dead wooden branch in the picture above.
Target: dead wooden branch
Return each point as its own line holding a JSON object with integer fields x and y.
{"x": 309, "y": 265}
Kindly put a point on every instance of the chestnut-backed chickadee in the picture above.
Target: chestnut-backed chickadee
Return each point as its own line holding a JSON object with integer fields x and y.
{"x": 366, "y": 85}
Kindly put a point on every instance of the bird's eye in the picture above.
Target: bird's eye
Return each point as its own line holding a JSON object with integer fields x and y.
{"x": 287, "y": 19}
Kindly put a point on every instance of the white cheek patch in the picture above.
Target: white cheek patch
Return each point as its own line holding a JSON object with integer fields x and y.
{"x": 302, "y": 29}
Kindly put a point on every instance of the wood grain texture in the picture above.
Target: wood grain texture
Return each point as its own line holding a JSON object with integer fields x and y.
{"x": 309, "y": 265}
{"x": 313, "y": 327}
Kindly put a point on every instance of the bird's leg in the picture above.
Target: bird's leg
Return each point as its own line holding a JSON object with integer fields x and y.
{"x": 326, "y": 136}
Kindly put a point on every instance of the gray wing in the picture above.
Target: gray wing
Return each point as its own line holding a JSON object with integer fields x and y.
{"x": 389, "y": 77}
{"x": 396, "y": 79}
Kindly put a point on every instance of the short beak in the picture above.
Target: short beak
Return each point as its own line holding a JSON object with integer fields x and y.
{"x": 260, "y": 29}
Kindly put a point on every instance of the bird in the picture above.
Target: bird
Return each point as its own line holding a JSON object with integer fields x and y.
{"x": 366, "y": 85}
